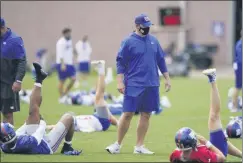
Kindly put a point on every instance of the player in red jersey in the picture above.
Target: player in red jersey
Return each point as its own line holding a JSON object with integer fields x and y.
{"x": 192, "y": 147}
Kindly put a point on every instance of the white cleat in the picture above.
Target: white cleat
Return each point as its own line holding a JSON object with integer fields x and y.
{"x": 98, "y": 65}
{"x": 114, "y": 148}
{"x": 142, "y": 150}
{"x": 211, "y": 73}
{"x": 98, "y": 62}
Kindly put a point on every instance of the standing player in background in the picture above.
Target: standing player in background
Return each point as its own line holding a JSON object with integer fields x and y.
{"x": 215, "y": 150}
{"x": 238, "y": 74}
{"x": 138, "y": 60}
{"x": 13, "y": 65}
{"x": 84, "y": 50}
{"x": 64, "y": 60}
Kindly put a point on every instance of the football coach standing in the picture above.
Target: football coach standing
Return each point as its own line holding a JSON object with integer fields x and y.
{"x": 13, "y": 65}
{"x": 137, "y": 61}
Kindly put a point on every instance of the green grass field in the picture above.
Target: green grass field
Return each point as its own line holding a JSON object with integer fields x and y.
{"x": 190, "y": 105}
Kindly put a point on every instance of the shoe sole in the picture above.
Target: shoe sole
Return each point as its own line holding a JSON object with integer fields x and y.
{"x": 97, "y": 62}
{"x": 111, "y": 152}
{"x": 143, "y": 153}
{"x": 209, "y": 71}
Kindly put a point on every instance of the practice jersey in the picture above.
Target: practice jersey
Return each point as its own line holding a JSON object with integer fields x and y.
{"x": 202, "y": 154}
{"x": 87, "y": 123}
{"x": 28, "y": 145}
{"x": 64, "y": 50}
{"x": 84, "y": 51}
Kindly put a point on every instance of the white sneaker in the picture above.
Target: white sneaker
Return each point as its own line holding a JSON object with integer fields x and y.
{"x": 99, "y": 64}
{"x": 142, "y": 150}
{"x": 114, "y": 148}
{"x": 211, "y": 73}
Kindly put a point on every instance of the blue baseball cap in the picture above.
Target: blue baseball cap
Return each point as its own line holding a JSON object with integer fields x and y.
{"x": 143, "y": 20}
{"x": 2, "y": 22}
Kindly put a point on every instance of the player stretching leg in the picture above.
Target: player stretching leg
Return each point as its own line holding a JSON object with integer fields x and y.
{"x": 102, "y": 119}
{"x": 20, "y": 142}
{"x": 195, "y": 148}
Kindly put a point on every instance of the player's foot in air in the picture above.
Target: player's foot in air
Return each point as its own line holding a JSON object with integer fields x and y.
{"x": 113, "y": 148}
{"x": 67, "y": 149}
{"x": 99, "y": 66}
{"x": 211, "y": 73}
{"x": 40, "y": 73}
{"x": 142, "y": 150}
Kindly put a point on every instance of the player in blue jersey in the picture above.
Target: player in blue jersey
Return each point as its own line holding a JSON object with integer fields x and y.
{"x": 24, "y": 141}
{"x": 238, "y": 74}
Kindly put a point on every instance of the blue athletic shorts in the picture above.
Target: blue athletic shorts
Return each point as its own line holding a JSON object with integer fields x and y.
{"x": 238, "y": 75}
{"x": 104, "y": 122}
{"x": 115, "y": 109}
{"x": 146, "y": 101}
{"x": 218, "y": 139}
{"x": 84, "y": 67}
{"x": 70, "y": 72}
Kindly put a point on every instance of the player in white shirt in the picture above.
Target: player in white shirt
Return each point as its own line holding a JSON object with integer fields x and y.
{"x": 64, "y": 61}
{"x": 102, "y": 119}
{"x": 84, "y": 50}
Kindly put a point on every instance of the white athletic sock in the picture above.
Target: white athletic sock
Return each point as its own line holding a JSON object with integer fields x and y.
{"x": 38, "y": 84}
{"x": 67, "y": 142}
{"x": 101, "y": 70}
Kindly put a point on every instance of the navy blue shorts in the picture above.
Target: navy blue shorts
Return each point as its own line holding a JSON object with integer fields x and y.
{"x": 238, "y": 75}
{"x": 104, "y": 122}
{"x": 147, "y": 101}
{"x": 84, "y": 67}
{"x": 218, "y": 139}
{"x": 70, "y": 72}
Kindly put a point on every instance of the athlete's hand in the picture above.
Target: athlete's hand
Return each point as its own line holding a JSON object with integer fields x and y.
{"x": 167, "y": 85}
{"x": 63, "y": 67}
{"x": 16, "y": 87}
{"x": 201, "y": 139}
{"x": 121, "y": 87}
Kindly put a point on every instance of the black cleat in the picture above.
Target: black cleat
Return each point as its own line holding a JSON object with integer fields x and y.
{"x": 66, "y": 148}
{"x": 40, "y": 73}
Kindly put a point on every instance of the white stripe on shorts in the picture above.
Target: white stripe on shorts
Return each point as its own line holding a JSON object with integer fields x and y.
{"x": 58, "y": 142}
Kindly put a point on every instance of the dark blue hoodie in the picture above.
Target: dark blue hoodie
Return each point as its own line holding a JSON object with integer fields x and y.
{"x": 13, "y": 59}
{"x": 138, "y": 59}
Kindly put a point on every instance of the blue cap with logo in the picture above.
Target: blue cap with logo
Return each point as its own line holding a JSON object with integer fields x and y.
{"x": 2, "y": 22}
{"x": 143, "y": 20}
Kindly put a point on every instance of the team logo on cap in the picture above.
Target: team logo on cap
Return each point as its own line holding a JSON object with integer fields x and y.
{"x": 146, "y": 19}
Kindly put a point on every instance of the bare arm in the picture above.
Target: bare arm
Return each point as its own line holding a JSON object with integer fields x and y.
{"x": 220, "y": 155}
{"x": 209, "y": 145}
{"x": 120, "y": 84}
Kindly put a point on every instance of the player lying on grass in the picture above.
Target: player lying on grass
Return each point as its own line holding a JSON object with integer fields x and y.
{"x": 24, "y": 141}
{"x": 78, "y": 97}
{"x": 115, "y": 107}
{"x": 88, "y": 99}
{"x": 192, "y": 147}
{"x": 234, "y": 128}
{"x": 102, "y": 119}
